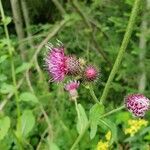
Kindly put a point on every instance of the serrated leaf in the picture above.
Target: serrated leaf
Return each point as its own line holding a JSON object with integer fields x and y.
{"x": 27, "y": 123}
{"x": 95, "y": 113}
{"x": 112, "y": 127}
{"x": 82, "y": 119}
{"x": 22, "y": 68}
{"x": 28, "y": 97}
{"x": 4, "y": 126}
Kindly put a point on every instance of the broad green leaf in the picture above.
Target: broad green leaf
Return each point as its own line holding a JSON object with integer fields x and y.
{"x": 112, "y": 127}
{"x": 95, "y": 113}
{"x": 27, "y": 123}
{"x": 4, "y": 126}
{"x": 22, "y": 68}
{"x": 82, "y": 119}
{"x": 6, "y": 88}
{"x": 28, "y": 97}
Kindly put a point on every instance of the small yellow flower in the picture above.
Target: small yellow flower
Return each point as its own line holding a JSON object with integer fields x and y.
{"x": 102, "y": 145}
{"x": 108, "y": 136}
{"x": 135, "y": 126}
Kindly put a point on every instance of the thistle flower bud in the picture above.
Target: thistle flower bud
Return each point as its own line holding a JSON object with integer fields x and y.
{"x": 137, "y": 104}
{"x": 72, "y": 87}
{"x": 73, "y": 66}
{"x": 91, "y": 73}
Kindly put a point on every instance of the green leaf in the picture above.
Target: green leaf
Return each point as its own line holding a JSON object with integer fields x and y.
{"x": 3, "y": 58}
{"x": 112, "y": 127}
{"x": 82, "y": 119}
{"x": 28, "y": 97}
{"x": 7, "y": 20}
{"x": 27, "y": 123}
{"x": 6, "y": 88}
{"x": 122, "y": 117}
{"x": 22, "y": 68}
{"x": 4, "y": 126}
{"x": 95, "y": 113}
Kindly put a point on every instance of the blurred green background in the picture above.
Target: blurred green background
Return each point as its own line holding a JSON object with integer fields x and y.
{"x": 90, "y": 29}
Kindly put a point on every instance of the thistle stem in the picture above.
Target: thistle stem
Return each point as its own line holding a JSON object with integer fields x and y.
{"x": 122, "y": 49}
{"x": 93, "y": 94}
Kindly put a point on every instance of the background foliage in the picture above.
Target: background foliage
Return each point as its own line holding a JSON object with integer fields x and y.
{"x": 90, "y": 29}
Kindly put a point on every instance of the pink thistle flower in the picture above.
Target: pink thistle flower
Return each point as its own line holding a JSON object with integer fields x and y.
{"x": 91, "y": 73}
{"x": 73, "y": 65}
{"x": 137, "y": 104}
{"x": 72, "y": 87}
{"x": 56, "y": 62}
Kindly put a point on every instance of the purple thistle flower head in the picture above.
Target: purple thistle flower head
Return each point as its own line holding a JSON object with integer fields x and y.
{"x": 137, "y": 104}
{"x": 91, "y": 73}
{"x": 72, "y": 87}
{"x": 56, "y": 62}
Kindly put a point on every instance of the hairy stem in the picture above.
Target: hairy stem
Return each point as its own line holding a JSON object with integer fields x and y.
{"x": 122, "y": 49}
{"x": 93, "y": 94}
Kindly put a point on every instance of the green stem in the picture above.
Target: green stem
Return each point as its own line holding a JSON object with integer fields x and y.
{"x": 12, "y": 65}
{"x": 113, "y": 111}
{"x": 93, "y": 94}
{"x": 79, "y": 137}
{"x": 88, "y": 124}
{"x": 122, "y": 49}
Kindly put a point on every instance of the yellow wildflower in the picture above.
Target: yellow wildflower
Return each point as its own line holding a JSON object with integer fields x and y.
{"x": 135, "y": 126}
{"x": 102, "y": 145}
{"x": 108, "y": 136}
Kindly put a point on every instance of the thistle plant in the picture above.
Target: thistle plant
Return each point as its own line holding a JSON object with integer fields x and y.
{"x": 61, "y": 67}
{"x": 91, "y": 100}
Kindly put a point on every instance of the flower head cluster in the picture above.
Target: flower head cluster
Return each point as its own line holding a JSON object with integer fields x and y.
{"x": 108, "y": 136}
{"x": 137, "y": 104}
{"x": 135, "y": 126}
{"x": 104, "y": 145}
{"x": 59, "y": 65}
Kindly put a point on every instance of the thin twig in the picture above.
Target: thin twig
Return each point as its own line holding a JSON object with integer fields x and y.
{"x": 59, "y": 7}
{"x": 42, "y": 137}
